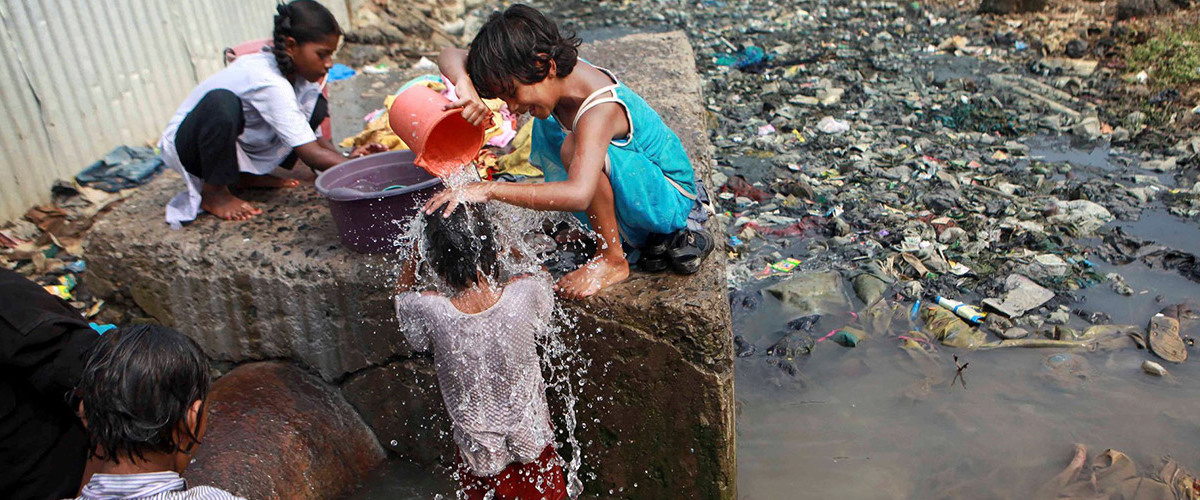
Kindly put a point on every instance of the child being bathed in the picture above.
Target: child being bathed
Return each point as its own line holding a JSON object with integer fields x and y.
{"x": 483, "y": 337}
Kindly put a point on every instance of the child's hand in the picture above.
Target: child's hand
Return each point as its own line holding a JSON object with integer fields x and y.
{"x": 473, "y": 108}
{"x": 368, "y": 149}
{"x": 477, "y": 192}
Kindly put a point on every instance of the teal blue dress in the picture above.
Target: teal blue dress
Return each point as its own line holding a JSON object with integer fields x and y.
{"x": 654, "y": 185}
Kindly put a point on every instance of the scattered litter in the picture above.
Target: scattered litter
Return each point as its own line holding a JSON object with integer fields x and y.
{"x": 785, "y": 266}
{"x": 964, "y": 311}
{"x": 831, "y": 125}
{"x": 1163, "y": 336}
{"x": 424, "y": 64}
{"x": 1022, "y": 294}
{"x": 122, "y": 168}
{"x": 102, "y": 329}
{"x": 340, "y": 72}
{"x": 749, "y": 59}
{"x": 377, "y": 69}
{"x": 1153, "y": 368}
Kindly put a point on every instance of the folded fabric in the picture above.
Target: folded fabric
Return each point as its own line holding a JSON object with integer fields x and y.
{"x": 377, "y": 130}
{"x": 122, "y": 168}
{"x": 505, "y": 128}
{"x": 517, "y": 163}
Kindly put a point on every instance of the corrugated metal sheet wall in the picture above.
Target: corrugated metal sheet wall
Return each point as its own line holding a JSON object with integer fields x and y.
{"x": 79, "y": 77}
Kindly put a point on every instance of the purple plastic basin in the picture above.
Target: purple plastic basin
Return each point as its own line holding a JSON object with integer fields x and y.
{"x": 366, "y": 203}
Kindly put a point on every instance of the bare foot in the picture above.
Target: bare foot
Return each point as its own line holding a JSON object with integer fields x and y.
{"x": 598, "y": 274}
{"x": 265, "y": 181}
{"x": 217, "y": 200}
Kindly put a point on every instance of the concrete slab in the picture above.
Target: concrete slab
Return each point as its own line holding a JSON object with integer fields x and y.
{"x": 658, "y": 415}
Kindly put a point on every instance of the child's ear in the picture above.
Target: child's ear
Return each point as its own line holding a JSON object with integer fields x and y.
{"x": 194, "y": 417}
{"x": 290, "y": 45}
{"x": 553, "y": 73}
{"x": 82, "y": 415}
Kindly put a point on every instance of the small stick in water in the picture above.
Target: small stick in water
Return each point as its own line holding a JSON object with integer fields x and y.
{"x": 959, "y": 376}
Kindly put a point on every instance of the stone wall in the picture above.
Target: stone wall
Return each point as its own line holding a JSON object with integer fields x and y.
{"x": 658, "y": 408}
{"x": 275, "y": 431}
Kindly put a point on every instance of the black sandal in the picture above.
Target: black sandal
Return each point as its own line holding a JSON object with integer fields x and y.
{"x": 656, "y": 245}
{"x": 688, "y": 250}
{"x": 653, "y": 264}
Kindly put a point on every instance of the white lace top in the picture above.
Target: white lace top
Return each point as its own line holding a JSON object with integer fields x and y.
{"x": 488, "y": 370}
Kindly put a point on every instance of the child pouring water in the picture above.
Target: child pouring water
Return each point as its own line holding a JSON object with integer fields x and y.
{"x": 257, "y": 114}
{"x": 483, "y": 336}
{"x": 604, "y": 150}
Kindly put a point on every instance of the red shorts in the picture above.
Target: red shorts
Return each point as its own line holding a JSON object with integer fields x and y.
{"x": 541, "y": 479}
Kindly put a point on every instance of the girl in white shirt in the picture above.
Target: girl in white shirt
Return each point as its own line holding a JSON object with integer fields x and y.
{"x": 257, "y": 114}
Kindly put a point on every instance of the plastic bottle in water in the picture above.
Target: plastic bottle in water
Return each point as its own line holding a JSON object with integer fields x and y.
{"x": 964, "y": 311}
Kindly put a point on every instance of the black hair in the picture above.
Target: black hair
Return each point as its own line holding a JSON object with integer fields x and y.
{"x": 137, "y": 387}
{"x": 518, "y": 43}
{"x": 305, "y": 21}
{"x": 461, "y": 245}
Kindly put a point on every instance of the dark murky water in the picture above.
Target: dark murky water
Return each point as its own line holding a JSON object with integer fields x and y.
{"x": 875, "y": 422}
{"x": 1057, "y": 149}
{"x": 402, "y": 480}
{"x": 1165, "y": 229}
{"x": 872, "y": 422}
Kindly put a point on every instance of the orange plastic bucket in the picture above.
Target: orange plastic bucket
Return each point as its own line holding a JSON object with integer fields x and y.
{"x": 444, "y": 141}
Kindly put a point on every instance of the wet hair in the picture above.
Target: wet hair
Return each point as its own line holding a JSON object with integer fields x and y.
{"x": 519, "y": 44}
{"x": 305, "y": 21}
{"x": 461, "y": 245}
{"x": 137, "y": 387}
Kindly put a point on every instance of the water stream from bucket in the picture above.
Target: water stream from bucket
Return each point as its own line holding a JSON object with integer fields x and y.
{"x": 523, "y": 245}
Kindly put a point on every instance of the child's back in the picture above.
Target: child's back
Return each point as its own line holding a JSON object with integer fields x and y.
{"x": 488, "y": 370}
{"x": 484, "y": 343}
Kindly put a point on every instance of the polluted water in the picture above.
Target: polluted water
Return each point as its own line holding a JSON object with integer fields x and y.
{"x": 523, "y": 241}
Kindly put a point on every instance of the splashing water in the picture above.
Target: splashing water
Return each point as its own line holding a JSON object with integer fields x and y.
{"x": 523, "y": 245}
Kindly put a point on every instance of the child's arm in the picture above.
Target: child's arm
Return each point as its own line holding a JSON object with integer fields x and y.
{"x": 453, "y": 63}
{"x": 408, "y": 274}
{"x": 572, "y": 195}
{"x": 369, "y": 148}
{"x": 318, "y": 157}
